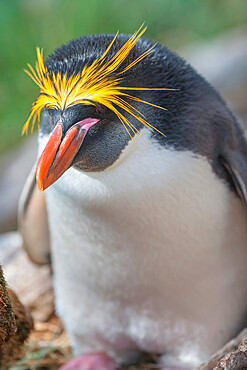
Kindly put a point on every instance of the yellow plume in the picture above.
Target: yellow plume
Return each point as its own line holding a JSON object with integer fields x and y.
{"x": 98, "y": 83}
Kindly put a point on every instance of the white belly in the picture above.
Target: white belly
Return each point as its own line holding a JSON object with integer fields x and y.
{"x": 150, "y": 254}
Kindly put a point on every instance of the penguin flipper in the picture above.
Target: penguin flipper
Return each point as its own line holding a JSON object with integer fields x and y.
{"x": 235, "y": 162}
{"x": 33, "y": 221}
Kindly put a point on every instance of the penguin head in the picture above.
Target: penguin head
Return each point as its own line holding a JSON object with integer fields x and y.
{"x": 97, "y": 92}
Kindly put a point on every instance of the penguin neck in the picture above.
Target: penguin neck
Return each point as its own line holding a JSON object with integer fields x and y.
{"x": 136, "y": 174}
{"x": 136, "y": 150}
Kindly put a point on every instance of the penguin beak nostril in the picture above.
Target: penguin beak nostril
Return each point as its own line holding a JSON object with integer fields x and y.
{"x": 60, "y": 151}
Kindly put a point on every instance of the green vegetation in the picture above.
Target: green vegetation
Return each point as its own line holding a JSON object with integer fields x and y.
{"x": 24, "y": 24}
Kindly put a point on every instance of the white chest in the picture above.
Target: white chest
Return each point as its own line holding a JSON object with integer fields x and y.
{"x": 149, "y": 248}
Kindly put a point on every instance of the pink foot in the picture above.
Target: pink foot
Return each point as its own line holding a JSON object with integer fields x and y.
{"x": 91, "y": 361}
{"x": 172, "y": 368}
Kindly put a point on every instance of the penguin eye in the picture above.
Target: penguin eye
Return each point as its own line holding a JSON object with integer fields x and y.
{"x": 100, "y": 108}
{"x": 50, "y": 109}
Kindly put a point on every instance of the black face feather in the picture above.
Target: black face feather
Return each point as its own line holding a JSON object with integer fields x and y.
{"x": 196, "y": 118}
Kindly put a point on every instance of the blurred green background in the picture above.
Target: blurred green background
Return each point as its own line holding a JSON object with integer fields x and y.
{"x": 24, "y": 24}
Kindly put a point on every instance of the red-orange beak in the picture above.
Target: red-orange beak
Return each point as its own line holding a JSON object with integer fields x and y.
{"x": 59, "y": 152}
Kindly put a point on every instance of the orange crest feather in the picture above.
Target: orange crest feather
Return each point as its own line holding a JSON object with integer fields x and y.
{"x": 98, "y": 82}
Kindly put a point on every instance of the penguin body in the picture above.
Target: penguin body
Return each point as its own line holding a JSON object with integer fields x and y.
{"x": 157, "y": 284}
{"x": 148, "y": 246}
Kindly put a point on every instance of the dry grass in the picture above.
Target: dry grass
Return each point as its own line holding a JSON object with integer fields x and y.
{"x": 48, "y": 348}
